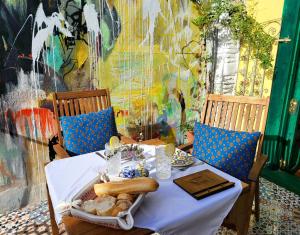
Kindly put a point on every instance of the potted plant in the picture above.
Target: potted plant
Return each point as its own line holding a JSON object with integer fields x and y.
{"x": 187, "y": 129}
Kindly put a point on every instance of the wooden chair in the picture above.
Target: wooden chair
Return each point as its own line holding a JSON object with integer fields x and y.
{"x": 74, "y": 103}
{"x": 239, "y": 113}
{"x": 70, "y": 104}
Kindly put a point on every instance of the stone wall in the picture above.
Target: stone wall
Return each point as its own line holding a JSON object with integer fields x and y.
{"x": 227, "y": 63}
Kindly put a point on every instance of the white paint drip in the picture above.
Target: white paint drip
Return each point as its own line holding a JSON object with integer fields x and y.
{"x": 91, "y": 18}
{"x": 92, "y": 23}
{"x": 56, "y": 20}
{"x": 151, "y": 10}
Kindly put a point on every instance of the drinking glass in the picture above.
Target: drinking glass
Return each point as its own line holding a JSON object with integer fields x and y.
{"x": 163, "y": 163}
{"x": 113, "y": 160}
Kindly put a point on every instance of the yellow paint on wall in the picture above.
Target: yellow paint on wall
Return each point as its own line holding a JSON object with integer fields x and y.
{"x": 268, "y": 13}
{"x": 82, "y": 53}
{"x": 265, "y": 10}
{"x": 135, "y": 71}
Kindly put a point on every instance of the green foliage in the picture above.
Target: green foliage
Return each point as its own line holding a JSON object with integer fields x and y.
{"x": 214, "y": 14}
{"x": 187, "y": 126}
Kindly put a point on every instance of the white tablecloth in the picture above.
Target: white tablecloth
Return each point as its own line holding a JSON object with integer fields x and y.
{"x": 169, "y": 210}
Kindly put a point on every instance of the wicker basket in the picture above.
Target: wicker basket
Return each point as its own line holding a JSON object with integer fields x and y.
{"x": 123, "y": 221}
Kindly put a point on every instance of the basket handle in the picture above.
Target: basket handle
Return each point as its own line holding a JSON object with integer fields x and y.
{"x": 126, "y": 221}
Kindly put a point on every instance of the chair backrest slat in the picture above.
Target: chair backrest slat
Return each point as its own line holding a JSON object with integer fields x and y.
{"x": 223, "y": 114}
{"x": 76, "y": 105}
{"x": 206, "y": 119}
{"x": 234, "y": 116}
{"x": 94, "y": 104}
{"x": 88, "y": 104}
{"x": 66, "y": 107}
{"x": 213, "y": 113}
{"x": 218, "y": 113}
{"x": 61, "y": 108}
{"x": 240, "y": 117}
{"x": 100, "y": 102}
{"x": 238, "y": 113}
{"x": 259, "y": 115}
{"x": 108, "y": 99}
{"x": 79, "y": 102}
{"x": 81, "y": 105}
{"x": 246, "y": 117}
{"x": 229, "y": 115}
{"x": 250, "y": 127}
{"x": 104, "y": 101}
{"x": 72, "y": 109}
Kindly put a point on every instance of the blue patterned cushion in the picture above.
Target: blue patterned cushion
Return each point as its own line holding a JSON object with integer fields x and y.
{"x": 88, "y": 132}
{"x": 230, "y": 151}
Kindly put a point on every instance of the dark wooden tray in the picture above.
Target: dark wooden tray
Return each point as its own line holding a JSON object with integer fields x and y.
{"x": 203, "y": 183}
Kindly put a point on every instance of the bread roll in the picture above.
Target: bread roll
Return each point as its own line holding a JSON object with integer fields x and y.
{"x": 124, "y": 204}
{"x": 125, "y": 196}
{"x": 89, "y": 206}
{"x": 105, "y": 198}
{"x": 116, "y": 211}
{"x": 105, "y": 208}
{"x": 132, "y": 186}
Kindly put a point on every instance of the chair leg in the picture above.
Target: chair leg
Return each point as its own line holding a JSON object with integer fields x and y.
{"x": 243, "y": 222}
{"x": 55, "y": 230}
{"x": 256, "y": 201}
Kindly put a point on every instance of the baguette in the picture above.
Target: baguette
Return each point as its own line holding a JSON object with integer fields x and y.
{"x": 132, "y": 186}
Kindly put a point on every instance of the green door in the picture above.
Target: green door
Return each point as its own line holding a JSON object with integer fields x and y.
{"x": 282, "y": 132}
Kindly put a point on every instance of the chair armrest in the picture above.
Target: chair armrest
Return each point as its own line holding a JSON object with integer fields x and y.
{"x": 257, "y": 167}
{"x": 186, "y": 147}
{"x": 56, "y": 151}
{"x": 245, "y": 187}
{"x": 126, "y": 140}
{"x": 60, "y": 152}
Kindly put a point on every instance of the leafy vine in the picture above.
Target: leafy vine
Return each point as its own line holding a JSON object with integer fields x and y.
{"x": 214, "y": 15}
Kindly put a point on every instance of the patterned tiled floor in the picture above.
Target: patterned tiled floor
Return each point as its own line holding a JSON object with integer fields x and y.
{"x": 30, "y": 220}
{"x": 278, "y": 216}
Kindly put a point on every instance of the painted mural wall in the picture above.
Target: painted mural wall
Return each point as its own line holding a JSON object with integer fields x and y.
{"x": 133, "y": 47}
{"x": 142, "y": 50}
